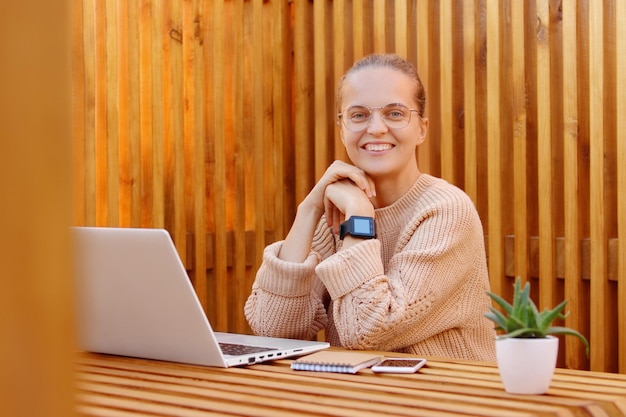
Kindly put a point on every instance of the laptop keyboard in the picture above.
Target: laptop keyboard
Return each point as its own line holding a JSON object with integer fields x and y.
{"x": 235, "y": 349}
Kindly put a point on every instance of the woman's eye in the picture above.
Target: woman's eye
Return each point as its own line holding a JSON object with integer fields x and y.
{"x": 358, "y": 116}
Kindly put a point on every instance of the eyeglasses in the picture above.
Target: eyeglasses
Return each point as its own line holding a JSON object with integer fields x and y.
{"x": 394, "y": 115}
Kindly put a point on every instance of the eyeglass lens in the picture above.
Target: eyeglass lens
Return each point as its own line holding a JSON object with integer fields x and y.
{"x": 395, "y": 115}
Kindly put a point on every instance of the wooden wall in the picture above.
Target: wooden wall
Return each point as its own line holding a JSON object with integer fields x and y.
{"x": 37, "y": 341}
{"x": 213, "y": 118}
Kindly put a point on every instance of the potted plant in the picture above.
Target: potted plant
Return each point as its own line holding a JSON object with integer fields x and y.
{"x": 526, "y": 348}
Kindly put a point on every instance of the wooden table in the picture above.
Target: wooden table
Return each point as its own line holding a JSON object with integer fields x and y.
{"x": 119, "y": 386}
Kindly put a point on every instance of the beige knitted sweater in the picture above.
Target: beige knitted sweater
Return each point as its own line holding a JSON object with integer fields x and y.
{"x": 419, "y": 287}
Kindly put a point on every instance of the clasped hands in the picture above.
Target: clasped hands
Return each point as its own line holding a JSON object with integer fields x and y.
{"x": 343, "y": 191}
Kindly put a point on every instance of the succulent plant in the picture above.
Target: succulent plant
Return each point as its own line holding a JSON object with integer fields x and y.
{"x": 522, "y": 319}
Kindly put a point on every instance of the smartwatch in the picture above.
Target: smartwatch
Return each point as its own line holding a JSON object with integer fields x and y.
{"x": 358, "y": 226}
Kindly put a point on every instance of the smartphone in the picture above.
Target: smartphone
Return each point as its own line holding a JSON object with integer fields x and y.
{"x": 399, "y": 365}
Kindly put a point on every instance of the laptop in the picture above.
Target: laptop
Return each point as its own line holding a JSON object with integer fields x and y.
{"x": 134, "y": 298}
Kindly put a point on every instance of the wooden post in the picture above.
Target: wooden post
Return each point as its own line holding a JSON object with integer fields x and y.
{"x": 36, "y": 297}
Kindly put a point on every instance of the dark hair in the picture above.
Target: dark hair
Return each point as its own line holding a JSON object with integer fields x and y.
{"x": 392, "y": 61}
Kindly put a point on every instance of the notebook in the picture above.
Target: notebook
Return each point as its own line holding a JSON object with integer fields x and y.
{"x": 134, "y": 298}
{"x": 333, "y": 361}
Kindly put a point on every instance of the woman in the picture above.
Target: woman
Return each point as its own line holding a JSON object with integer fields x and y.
{"x": 415, "y": 284}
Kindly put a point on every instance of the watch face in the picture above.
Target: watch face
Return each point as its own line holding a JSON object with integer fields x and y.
{"x": 362, "y": 226}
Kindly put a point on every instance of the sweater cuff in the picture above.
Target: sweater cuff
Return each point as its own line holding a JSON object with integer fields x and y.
{"x": 289, "y": 279}
{"x": 345, "y": 271}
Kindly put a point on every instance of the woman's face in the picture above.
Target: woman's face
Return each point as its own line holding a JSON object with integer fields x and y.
{"x": 379, "y": 150}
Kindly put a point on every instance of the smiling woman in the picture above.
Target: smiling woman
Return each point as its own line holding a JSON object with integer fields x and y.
{"x": 418, "y": 283}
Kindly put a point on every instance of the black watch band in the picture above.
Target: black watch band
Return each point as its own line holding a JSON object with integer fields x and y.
{"x": 358, "y": 226}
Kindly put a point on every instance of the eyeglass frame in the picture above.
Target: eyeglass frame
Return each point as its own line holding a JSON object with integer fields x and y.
{"x": 371, "y": 111}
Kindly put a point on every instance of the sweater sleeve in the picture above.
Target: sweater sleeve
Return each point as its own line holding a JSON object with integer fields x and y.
{"x": 286, "y": 298}
{"x": 434, "y": 285}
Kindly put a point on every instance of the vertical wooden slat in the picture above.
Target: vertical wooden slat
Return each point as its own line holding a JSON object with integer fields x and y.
{"x": 259, "y": 140}
{"x": 380, "y": 18}
{"x": 303, "y": 99}
{"x": 320, "y": 92}
{"x": 469, "y": 99}
{"x": 91, "y": 199}
{"x": 111, "y": 137}
{"x": 341, "y": 62}
{"x": 544, "y": 158}
{"x": 358, "y": 19}
{"x": 134, "y": 69}
{"x": 123, "y": 107}
{"x": 145, "y": 114}
{"x": 37, "y": 349}
{"x": 167, "y": 126}
{"x": 423, "y": 61}
{"x": 79, "y": 111}
{"x": 445, "y": 91}
{"x": 174, "y": 102}
{"x": 574, "y": 350}
{"x": 219, "y": 180}
{"x": 620, "y": 14}
{"x": 101, "y": 148}
{"x": 495, "y": 249}
{"x": 401, "y": 33}
{"x": 520, "y": 139}
{"x": 282, "y": 118}
{"x": 599, "y": 283}
{"x": 239, "y": 270}
{"x": 158, "y": 182}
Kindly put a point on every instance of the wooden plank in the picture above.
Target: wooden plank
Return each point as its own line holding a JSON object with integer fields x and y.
{"x": 469, "y": 99}
{"x": 100, "y": 105}
{"x": 173, "y": 17}
{"x": 123, "y": 106}
{"x": 239, "y": 272}
{"x": 423, "y": 59}
{"x": 167, "y": 125}
{"x": 79, "y": 112}
{"x": 401, "y": 32}
{"x": 358, "y": 25}
{"x": 520, "y": 139}
{"x": 37, "y": 295}
{"x": 284, "y": 212}
{"x": 341, "y": 60}
{"x": 495, "y": 248}
{"x": 321, "y": 91}
{"x": 303, "y": 94}
{"x": 574, "y": 351}
{"x": 379, "y": 27}
{"x": 599, "y": 314}
{"x": 158, "y": 137}
{"x": 547, "y": 295}
{"x": 134, "y": 118}
{"x": 620, "y": 36}
{"x": 146, "y": 142}
{"x": 111, "y": 138}
{"x": 220, "y": 299}
{"x": 445, "y": 91}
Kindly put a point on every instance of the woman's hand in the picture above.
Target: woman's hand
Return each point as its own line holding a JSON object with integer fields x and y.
{"x": 342, "y": 188}
{"x": 344, "y": 199}
{"x": 338, "y": 171}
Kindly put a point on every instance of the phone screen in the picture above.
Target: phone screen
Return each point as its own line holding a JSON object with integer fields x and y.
{"x": 400, "y": 362}
{"x": 399, "y": 365}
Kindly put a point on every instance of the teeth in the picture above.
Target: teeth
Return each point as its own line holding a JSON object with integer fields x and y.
{"x": 377, "y": 146}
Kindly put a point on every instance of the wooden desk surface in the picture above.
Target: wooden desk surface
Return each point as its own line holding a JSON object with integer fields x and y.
{"x": 117, "y": 386}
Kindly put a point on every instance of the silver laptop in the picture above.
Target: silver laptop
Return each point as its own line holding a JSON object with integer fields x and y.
{"x": 134, "y": 298}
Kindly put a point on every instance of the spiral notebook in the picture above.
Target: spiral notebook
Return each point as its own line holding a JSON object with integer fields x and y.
{"x": 332, "y": 361}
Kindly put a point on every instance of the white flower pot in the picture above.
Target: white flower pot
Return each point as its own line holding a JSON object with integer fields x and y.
{"x": 526, "y": 365}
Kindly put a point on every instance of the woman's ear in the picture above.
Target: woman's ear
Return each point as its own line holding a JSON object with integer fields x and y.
{"x": 423, "y": 130}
